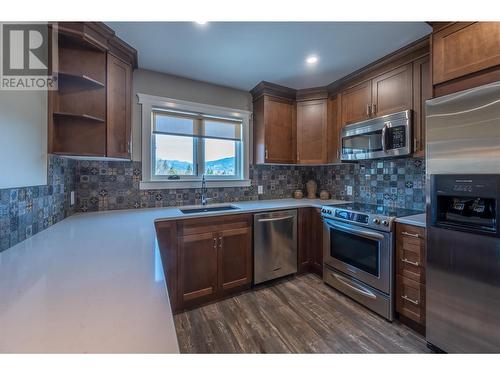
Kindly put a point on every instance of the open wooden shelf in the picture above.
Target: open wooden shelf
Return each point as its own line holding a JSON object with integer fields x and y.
{"x": 75, "y": 78}
{"x": 81, "y": 116}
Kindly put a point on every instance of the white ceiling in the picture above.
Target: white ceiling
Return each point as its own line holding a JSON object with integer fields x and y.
{"x": 241, "y": 54}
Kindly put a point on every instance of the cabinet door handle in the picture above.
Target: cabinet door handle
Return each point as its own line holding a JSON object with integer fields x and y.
{"x": 415, "y": 302}
{"x": 374, "y": 109}
{"x": 415, "y": 235}
{"x": 266, "y": 154}
{"x": 220, "y": 242}
{"x": 215, "y": 243}
{"x": 404, "y": 260}
{"x": 368, "y": 110}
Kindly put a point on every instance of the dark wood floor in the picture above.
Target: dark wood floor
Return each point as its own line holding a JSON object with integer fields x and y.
{"x": 296, "y": 315}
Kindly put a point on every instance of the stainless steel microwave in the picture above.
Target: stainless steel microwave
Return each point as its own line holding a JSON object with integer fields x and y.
{"x": 381, "y": 137}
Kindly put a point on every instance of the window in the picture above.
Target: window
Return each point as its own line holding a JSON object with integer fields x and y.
{"x": 191, "y": 140}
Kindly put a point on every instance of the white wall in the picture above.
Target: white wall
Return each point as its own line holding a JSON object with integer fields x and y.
{"x": 165, "y": 85}
{"x": 23, "y": 138}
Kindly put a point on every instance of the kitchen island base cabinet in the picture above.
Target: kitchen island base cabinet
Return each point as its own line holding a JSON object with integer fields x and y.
{"x": 205, "y": 259}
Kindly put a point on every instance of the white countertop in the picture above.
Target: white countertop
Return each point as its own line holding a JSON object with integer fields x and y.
{"x": 93, "y": 283}
{"x": 417, "y": 220}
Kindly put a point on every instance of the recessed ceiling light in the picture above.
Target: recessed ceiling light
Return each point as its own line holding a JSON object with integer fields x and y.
{"x": 201, "y": 22}
{"x": 312, "y": 60}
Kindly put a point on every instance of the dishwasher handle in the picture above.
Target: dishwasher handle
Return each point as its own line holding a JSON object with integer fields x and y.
{"x": 276, "y": 218}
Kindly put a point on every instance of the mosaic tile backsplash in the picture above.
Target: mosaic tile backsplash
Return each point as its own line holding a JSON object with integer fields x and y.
{"x": 27, "y": 210}
{"x": 393, "y": 183}
{"x": 112, "y": 185}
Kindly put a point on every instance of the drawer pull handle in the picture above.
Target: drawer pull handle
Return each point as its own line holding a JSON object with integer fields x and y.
{"x": 416, "y": 235}
{"x": 404, "y": 260}
{"x": 415, "y": 302}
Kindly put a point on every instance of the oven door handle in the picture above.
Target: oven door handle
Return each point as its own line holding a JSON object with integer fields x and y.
{"x": 357, "y": 288}
{"x": 358, "y": 232}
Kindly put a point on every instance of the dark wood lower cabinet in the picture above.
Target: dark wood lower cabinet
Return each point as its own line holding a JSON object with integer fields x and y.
{"x": 198, "y": 268}
{"x": 235, "y": 259}
{"x": 310, "y": 241}
{"x": 205, "y": 259}
{"x": 410, "y": 275}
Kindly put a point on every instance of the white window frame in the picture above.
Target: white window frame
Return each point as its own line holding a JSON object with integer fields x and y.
{"x": 150, "y": 103}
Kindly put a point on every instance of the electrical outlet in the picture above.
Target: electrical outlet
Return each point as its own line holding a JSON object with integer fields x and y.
{"x": 260, "y": 189}
{"x": 72, "y": 198}
{"x": 349, "y": 190}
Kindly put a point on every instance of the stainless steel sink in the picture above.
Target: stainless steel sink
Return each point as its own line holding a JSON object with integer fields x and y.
{"x": 208, "y": 209}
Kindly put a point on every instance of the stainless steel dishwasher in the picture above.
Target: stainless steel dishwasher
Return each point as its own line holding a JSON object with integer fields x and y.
{"x": 275, "y": 244}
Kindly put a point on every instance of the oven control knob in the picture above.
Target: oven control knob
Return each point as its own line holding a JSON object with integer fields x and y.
{"x": 330, "y": 212}
{"x": 376, "y": 221}
{"x": 385, "y": 222}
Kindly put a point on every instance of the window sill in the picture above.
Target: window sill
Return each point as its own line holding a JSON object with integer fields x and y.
{"x": 191, "y": 184}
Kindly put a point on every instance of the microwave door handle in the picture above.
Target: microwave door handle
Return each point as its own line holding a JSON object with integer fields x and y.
{"x": 384, "y": 131}
{"x": 359, "y": 232}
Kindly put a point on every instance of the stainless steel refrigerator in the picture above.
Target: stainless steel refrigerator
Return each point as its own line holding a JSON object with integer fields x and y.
{"x": 463, "y": 229}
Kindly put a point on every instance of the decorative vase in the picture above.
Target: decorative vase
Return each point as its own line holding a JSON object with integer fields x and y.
{"x": 324, "y": 195}
{"x": 298, "y": 194}
{"x": 311, "y": 187}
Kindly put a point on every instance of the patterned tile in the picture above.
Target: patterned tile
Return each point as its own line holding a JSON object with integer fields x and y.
{"x": 25, "y": 211}
{"x": 114, "y": 185}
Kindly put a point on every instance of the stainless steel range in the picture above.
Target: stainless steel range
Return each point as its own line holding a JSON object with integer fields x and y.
{"x": 358, "y": 253}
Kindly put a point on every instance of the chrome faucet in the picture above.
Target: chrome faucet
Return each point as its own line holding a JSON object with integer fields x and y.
{"x": 203, "y": 191}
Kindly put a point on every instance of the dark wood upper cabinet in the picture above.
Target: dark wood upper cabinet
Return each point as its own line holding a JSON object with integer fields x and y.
{"x": 118, "y": 118}
{"x": 355, "y": 103}
{"x": 274, "y": 130}
{"x": 90, "y": 113}
{"x": 384, "y": 94}
{"x": 312, "y": 132}
{"x": 274, "y": 124}
{"x": 464, "y": 55}
{"x": 422, "y": 91}
{"x": 198, "y": 268}
{"x": 333, "y": 147}
{"x": 235, "y": 259}
{"x": 463, "y": 48}
{"x": 392, "y": 91}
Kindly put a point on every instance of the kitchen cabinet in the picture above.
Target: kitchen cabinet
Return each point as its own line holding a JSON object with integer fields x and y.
{"x": 392, "y": 91}
{"x": 355, "y": 103}
{"x": 198, "y": 268}
{"x": 334, "y": 146}
{"x": 118, "y": 101}
{"x": 310, "y": 241}
{"x": 166, "y": 234}
{"x": 274, "y": 130}
{"x": 422, "y": 91}
{"x": 235, "y": 259}
{"x": 384, "y": 94}
{"x": 205, "y": 258}
{"x": 90, "y": 113}
{"x": 312, "y": 132}
{"x": 410, "y": 274}
{"x": 463, "y": 48}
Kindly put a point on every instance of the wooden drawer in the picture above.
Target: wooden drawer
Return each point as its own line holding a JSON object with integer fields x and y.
{"x": 212, "y": 224}
{"x": 410, "y": 252}
{"x": 410, "y": 299}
